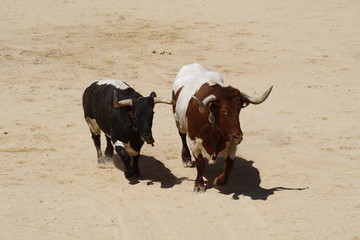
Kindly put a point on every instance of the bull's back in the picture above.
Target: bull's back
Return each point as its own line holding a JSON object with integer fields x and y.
{"x": 187, "y": 82}
{"x": 98, "y": 102}
{"x": 100, "y": 95}
{"x": 96, "y": 97}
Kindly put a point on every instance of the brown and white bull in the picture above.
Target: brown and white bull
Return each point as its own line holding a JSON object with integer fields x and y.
{"x": 206, "y": 113}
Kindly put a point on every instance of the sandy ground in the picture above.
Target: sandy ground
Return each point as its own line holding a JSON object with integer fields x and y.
{"x": 297, "y": 172}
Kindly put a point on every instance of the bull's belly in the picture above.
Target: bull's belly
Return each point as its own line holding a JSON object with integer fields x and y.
{"x": 197, "y": 148}
{"x": 181, "y": 123}
{"x": 95, "y": 129}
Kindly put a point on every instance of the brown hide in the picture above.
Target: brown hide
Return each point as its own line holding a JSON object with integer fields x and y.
{"x": 175, "y": 97}
{"x": 226, "y": 110}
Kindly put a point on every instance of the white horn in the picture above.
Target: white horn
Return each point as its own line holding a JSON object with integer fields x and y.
{"x": 259, "y": 99}
{"x": 125, "y": 102}
{"x": 205, "y": 102}
{"x": 163, "y": 100}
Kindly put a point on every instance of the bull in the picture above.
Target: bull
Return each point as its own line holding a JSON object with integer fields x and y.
{"x": 124, "y": 115}
{"x": 206, "y": 114}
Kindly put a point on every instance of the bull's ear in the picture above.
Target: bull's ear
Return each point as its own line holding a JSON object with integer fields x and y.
{"x": 152, "y": 94}
{"x": 245, "y": 104}
{"x": 213, "y": 106}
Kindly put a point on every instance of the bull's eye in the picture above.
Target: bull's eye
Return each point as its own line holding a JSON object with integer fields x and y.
{"x": 223, "y": 111}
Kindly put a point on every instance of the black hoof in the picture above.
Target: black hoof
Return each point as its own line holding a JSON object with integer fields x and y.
{"x": 109, "y": 154}
{"x": 188, "y": 163}
{"x": 218, "y": 184}
{"x": 199, "y": 189}
{"x": 137, "y": 174}
{"x": 128, "y": 174}
{"x": 186, "y": 158}
{"x": 105, "y": 162}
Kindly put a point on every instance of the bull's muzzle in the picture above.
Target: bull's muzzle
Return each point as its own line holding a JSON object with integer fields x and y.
{"x": 148, "y": 139}
{"x": 237, "y": 138}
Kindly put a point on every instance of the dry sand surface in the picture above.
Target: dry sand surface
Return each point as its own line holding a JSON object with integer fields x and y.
{"x": 297, "y": 175}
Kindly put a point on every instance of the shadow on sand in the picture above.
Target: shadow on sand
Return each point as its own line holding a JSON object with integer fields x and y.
{"x": 243, "y": 180}
{"x": 152, "y": 170}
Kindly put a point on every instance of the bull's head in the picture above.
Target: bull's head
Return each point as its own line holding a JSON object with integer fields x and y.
{"x": 142, "y": 113}
{"x": 224, "y": 109}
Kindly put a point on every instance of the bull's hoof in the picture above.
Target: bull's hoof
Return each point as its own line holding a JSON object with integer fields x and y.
{"x": 186, "y": 158}
{"x": 109, "y": 154}
{"x": 137, "y": 174}
{"x": 199, "y": 189}
{"x": 212, "y": 161}
{"x": 105, "y": 162}
{"x": 187, "y": 163}
{"x": 128, "y": 174}
{"x": 215, "y": 183}
{"x": 218, "y": 184}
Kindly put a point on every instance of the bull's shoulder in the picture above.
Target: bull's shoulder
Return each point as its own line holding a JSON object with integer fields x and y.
{"x": 193, "y": 76}
{"x": 118, "y": 84}
{"x": 105, "y": 88}
{"x": 207, "y": 89}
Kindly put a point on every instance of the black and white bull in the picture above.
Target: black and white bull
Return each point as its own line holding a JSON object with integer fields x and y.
{"x": 124, "y": 115}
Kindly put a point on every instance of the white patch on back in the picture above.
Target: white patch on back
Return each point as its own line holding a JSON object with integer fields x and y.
{"x": 94, "y": 127}
{"x": 116, "y": 83}
{"x": 191, "y": 77}
{"x": 127, "y": 147}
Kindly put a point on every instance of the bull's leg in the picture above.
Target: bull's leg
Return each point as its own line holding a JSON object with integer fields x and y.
{"x": 125, "y": 157}
{"x": 135, "y": 166}
{"x": 199, "y": 181}
{"x": 223, "y": 177}
{"x": 185, "y": 153}
{"x": 96, "y": 139}
{"x": 95, "y": 135}
{"x": 109, "y": 151}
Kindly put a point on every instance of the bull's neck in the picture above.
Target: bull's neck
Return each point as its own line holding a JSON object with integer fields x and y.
{"x": 214, "y": 143}
{"x": 132, "y": 119}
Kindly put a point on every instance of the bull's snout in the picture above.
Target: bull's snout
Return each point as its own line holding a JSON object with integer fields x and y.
{"x": 237, "y": 138}
{"x": 148, "y": 139}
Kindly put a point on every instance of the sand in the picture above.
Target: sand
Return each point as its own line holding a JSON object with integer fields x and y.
{"x": 297, "y": 173}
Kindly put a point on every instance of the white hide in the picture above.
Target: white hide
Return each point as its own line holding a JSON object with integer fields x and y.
{"x": 191, "y": 77}
{"x": 197, "y": 148}
{"x": 94, "y": 127}
{"x": 127, "y": 147}
{"x": 116, "y": 83}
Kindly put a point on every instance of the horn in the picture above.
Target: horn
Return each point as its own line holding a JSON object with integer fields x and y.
{"x": 125, "y": 102}
{"x": 205, "y": 102}
{"x": 163, "y": 100}
{"x": 259, "y": 99}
